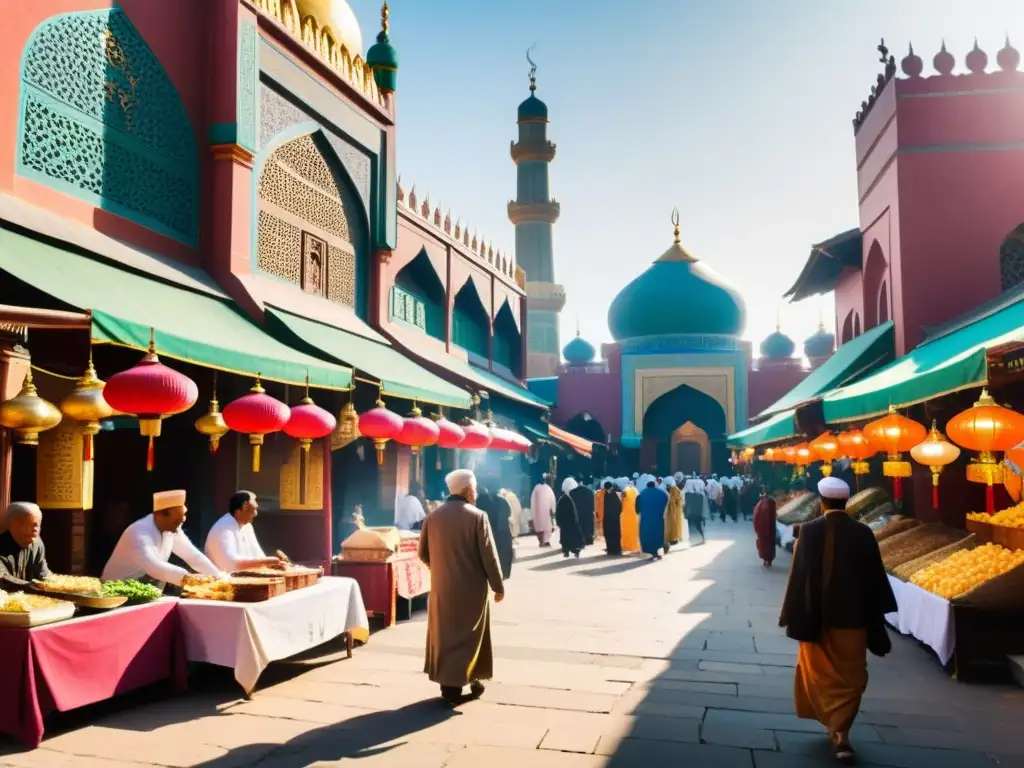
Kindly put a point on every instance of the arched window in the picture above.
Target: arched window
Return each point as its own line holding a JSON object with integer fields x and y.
{"x": 856, "y": 324}
{"x": 470, "y": 324}
{"x": 1011, "y": 259}
{"x": 847, "y": 328}
{"x": 507, "y": 341}
{"x": 417, "y": 297}
{"x": 875, "y": 268}
{"x": 102, "y": 121}
{"x": 883, "y": 303}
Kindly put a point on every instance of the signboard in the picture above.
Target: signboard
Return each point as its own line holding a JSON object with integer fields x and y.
{"x": 63, "y": 479}
{"x": 302, "y": 479}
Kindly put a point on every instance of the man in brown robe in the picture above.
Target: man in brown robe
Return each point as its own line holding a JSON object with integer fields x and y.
{"x": 457, "y": 545}
{"x": 835, "y": 603}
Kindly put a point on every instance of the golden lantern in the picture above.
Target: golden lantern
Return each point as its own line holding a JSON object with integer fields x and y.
{"x": 28, "y": 414}
{"x": 986, "y": 428}
{"x": 212, "y": 422}
{"x": 87, "y": 405}
{"x": 935, "y": 453}
{"x": 895, "y": 434}
{"x": 825, "y": 446}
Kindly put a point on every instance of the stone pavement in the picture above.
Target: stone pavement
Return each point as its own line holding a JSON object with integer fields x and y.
{"x": 600, "y": 663}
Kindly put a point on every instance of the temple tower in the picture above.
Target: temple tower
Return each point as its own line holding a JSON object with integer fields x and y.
{"x": 533, "y": 213}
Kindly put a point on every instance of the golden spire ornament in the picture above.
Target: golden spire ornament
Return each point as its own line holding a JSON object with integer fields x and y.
{"x": 212, "y": 422}
{"x": 87, "y": 405}
{"x": 28, "y": 414}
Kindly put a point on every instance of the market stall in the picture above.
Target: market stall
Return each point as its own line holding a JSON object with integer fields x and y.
{"x": 248, "y": 636}
{"x": 66, "y": 665}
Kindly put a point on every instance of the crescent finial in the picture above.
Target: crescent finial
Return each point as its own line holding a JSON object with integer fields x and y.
{"x": 533, "y": 64}
{"x": 675, "y": 222}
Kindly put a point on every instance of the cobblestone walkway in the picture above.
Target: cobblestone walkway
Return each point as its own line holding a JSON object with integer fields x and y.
{"x": 600, "y": 663}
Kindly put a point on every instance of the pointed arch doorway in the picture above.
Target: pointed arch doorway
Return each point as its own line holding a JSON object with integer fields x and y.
{"x": 691, "y": 450}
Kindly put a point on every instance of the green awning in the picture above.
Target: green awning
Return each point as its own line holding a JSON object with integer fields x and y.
{"x": 852, "y": 361}
{"x": 494, "y": 383}
{"x": 399, "y": 375}
{"x": 781, "y": 426}
{"x": 190, "y": 326}
{"x": 942, "y": 366}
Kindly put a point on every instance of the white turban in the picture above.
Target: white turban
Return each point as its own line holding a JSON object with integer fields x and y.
{"x": 18, "y": 509}
{"x": 569, "y": 485}
{"x": 459, "y": 480}
{"x": 833, "y": 488}
{"x": 670, "y": 482}
{"x": 622, "y": 483}
{"x": 644, "y": 480}
{"x": 636, "y": 475}
{"x": 678, "y": 478}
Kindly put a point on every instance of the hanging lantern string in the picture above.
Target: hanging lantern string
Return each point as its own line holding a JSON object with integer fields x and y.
{"x": 45, "y": 372}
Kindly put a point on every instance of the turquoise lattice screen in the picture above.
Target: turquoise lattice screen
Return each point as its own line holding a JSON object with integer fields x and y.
{"x": 102, "y": 121}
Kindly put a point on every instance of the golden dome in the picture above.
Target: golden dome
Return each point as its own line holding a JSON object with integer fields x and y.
{"x": 336, "y": 17}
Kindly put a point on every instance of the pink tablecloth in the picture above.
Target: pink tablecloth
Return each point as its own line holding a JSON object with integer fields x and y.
{"x": 71, "y": 664}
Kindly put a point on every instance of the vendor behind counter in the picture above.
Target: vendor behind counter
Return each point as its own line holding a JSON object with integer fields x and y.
{"x": 22, "y": 554}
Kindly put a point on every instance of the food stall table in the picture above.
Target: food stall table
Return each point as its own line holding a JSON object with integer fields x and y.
{"x": 401, "y": 575}
{"x": 248, "y": 636}
{"x": 925, "y": 616}
{"x": 70, "y": 664}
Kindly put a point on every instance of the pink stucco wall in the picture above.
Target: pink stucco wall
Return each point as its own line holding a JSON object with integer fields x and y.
{"x": 766, "y": 385}
{"x": 849, "y": 297}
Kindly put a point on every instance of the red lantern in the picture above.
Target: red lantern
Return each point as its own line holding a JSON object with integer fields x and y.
{"x": 256, "y": 414}
{"x": 519, "y": 443}
{"x": 418, "y": 431}
{"x": 380, "y": 425}
{"x": 477, "y": 436}
{"x": 449, "y": 434}
{"x": 895, "y": 434}
{"x": 309, "y": 422}
{"x": 501, "y": 440}
{"x": 150, "y": 391}
{"x": 985, "y": 428}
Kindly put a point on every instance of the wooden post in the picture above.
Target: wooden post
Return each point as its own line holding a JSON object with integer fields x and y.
{"x": 328, "y": 507}
{"x": 14, "y": 365}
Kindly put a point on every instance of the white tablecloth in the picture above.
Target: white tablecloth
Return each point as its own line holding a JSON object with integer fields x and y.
{"x": 248, "y": 636}
{"x": 925, "y": 616}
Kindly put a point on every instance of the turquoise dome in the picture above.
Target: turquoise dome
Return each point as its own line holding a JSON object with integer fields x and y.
{"x": 677, "y": 294}
{"x": 533, "y": 109}
{"x": 821, "y": 344}
{"x": 579, "y": 351}
{"x": 777, "y": 346}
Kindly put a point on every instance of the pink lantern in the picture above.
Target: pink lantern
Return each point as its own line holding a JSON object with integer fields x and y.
{"x": 256, "y": 414}
{"x": 520, "y": 443}
{"x": 501, "y": 440}
{"x": 450, "y": 434}
{"x": 380, "y": 425}
{"x": 418, "y": 431}
{"x": 477, "y": 436}
{"x": 309, "y": 422}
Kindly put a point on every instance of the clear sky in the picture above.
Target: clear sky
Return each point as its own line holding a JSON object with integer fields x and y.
{"x": 737, "y": 111}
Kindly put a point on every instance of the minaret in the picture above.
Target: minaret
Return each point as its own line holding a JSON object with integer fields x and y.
{"x": 533, "y": 213}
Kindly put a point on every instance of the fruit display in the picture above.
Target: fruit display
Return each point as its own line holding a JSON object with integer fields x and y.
{"x": 897, "y": 524}
{"x": 136, "y": 591}
{"x": 908, "y": 569}
{"x": 869, "y": 504}
{"x": 799, "y": 509}
{"x": 1012, "y": 517}
{"x": 965, "y": 570}
{"x": 917, "y": 542}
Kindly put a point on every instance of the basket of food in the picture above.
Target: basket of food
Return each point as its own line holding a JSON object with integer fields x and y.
{"x": 897, "y": 524}
{"x": 251, "y": 589}
{"x": 196, "y": 587}
{"x": 84, "y": 591}
{"x": 20, "y": 609}
{"x": 908, "y": 569}
{"x": 800, "y": 509}
{"x": 978, "y": 524}
{"x": 917, "y": 542}
{"x": 979, "y": 576}
{"x": 869, "y": 504}
{"x": 370, "y": 545}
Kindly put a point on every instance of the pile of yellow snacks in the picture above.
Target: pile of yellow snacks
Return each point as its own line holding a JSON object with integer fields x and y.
{"x": 1012, "y": 517}
{"x": 964, "y": 570}
{"x": 19, "y": 602}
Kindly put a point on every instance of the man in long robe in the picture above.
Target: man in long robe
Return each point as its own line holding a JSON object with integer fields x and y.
{"x": 835, "y": 603}
{"x": 542, "y": 511}
{"x": 22, "y": 554}
{"x": 695, "y": 503}
{"x": 599, "y": 510}
{"x": 570, "y": 537}
{"x": 650, "y": 505}
{"x": 583, "y": 497}
{"x": 612, "y": 504}
{"x": 749, "y": 497}
{"x": 457, "y": 546}
{"x": 629, "y": 522}
{"x": 520, "y": 521}
{"x": 499, "y": 515}
{"x": 674, "y": 514}
{"x": 764, "y": 528}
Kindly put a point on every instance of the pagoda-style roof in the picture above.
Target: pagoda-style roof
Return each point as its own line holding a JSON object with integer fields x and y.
{"x": 826, "y": 264}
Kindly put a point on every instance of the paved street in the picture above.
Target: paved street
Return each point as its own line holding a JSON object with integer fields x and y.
{"x": 599, "y": 663}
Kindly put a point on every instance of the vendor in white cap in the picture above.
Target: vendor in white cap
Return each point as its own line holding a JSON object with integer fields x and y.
{"x": 22, "y": 555}
{"x": 836, "y": 600}
{"x": 146, "y": 546}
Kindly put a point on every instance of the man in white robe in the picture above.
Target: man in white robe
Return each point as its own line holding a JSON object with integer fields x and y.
{"x": 146, "y": 546}
{"x": 409, "y": 512}
{"x": 231, "y": 543}
{"x": 542, "y": 511}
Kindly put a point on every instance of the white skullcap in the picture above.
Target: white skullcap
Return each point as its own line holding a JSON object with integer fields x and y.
{"x": 678, "y": 476}
{"x": 644, "y": 480}
{"x": 670, "y": 482}
{"x": 459, "y": 480}
{"x": 622, "y": 483}
{"x": 569, "y": 485}
{"x": 18, "y": 509}
{"x": 636, "y": 475}
{"x": 168, "y": 499}
{"x": 833, "y": 488}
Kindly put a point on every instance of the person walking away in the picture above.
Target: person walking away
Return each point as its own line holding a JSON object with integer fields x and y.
{"x": 612, "y": 505}
{"x": 583, "y": 498}
{"x": 517, "y": 521}
{"x": 499, "y": 515}
{"x": 599, "y": 510}
{"x": 684, "y": 529}
{"x": 749, "y": 498}
{"x": 835, "y": 601}
{"x": 674, "y": 514}
{"x": 457, "y": 546}
{"x": 651, "y": 504}
{"x": 409, "y": 512}
{"x": 728, "y": 509}
{"x": 569, "y": 534}
{"x": 694, "y": 501}
{"x": 764, "y": 527}
{"x": 628, "y": 521}
{"x": 542, "y": 511}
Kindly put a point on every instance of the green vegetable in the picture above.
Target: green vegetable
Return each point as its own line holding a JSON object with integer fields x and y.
{"x": 132, "y": 589}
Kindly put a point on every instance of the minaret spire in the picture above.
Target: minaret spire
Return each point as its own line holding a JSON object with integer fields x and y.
{"x": 533, "y": 68}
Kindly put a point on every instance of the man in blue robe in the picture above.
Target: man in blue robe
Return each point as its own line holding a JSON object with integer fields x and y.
{"x": 650, "y": 506}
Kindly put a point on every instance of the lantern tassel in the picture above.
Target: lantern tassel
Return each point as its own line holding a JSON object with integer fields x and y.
{"x": 897, "y": 489}
{"x": 935, "y": 497}
{"x": 87, "y": 448}
{"x": 990, "y": 499}
{"x": 256, "y": 458}
{"x": 150, "y": 456}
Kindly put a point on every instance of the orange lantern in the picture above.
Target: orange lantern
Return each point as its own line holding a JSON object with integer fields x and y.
{"x": 985, "y": 428}
{"x": 825, "y": 446}
{"x": 771, "y": 455}
{"x": 895, "y": 434}
{"x": 789, "y": 454}
{"x": 858, "y": 450}
{"x": 935, "y": 453}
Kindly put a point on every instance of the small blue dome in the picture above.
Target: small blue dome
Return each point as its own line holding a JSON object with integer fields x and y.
{"x": 821, "y": 344}
{"x": 533, "y": 109}
{"x": 777, "y": 346}
{"x": 579, "y": 351}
